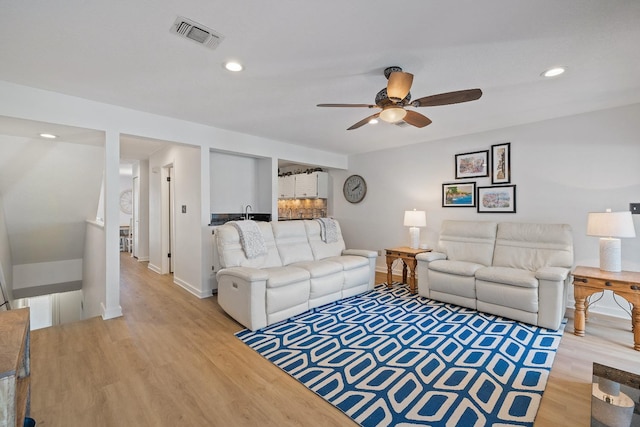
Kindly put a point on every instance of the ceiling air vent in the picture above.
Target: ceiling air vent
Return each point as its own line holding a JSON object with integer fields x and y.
{"x": 197, "y": 32}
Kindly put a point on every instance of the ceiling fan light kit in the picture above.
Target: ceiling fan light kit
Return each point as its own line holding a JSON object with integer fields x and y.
{"x": 393, "y": 99}
{"x": 392, "y": 114}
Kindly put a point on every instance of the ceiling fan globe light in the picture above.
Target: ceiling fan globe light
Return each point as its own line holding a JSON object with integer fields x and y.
{"x": 393, "y": 114}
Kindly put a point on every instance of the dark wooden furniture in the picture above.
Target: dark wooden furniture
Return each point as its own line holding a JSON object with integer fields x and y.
{"x": 589, "y": 280}
{"x": 408, "y": 257}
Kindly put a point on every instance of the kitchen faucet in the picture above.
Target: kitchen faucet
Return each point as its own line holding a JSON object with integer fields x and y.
{"x": 246, "y": 211}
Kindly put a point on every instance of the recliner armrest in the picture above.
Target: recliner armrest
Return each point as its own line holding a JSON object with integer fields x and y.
{"x": 360, "y": 252}
{"x": 552, "y": 273}
{"x": 247, "y": 274}
{"x": 430, "y": 256}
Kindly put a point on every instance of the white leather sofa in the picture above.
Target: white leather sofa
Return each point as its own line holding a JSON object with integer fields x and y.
{"x": 300, "y": 271}
{"x": 515, "y": 270}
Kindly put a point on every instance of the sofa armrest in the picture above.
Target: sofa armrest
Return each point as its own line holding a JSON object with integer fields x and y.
{"x": 360, "y": 252}
{"x": 430, "y": 256}
{"x": 242, "y": 294}
{"x": 554, "y": 274}
{"x": 247, "y": 274}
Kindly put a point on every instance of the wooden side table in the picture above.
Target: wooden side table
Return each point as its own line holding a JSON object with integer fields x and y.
{"x": 589, "y": 280}
{"x": 408, "y": 257}
{"x": 15, "y": 367}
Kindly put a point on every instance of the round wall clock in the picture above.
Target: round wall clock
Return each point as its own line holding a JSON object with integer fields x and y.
{"x": 126, "y": 201}
{"x": 354, "y": 189}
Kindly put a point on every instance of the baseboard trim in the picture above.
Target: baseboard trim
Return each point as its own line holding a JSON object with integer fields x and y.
{"x": 191, "y": 289}
{"x": 143, "y": 259}
{"x": 154, "y": 268}
{"x": 111, "y": 313}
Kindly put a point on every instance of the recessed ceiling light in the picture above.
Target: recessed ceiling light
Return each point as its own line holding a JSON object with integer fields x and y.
{"x": 48, "y": 136}
{"x": 373, "y": 121}
{"x": 553, "y": 72}
{"x": 233, "y": 66}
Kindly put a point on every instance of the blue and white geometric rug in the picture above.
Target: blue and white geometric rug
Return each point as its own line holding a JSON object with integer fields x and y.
{"x": 392, "y": 358}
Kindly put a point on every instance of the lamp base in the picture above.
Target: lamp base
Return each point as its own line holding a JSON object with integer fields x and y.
{"x": 415, "y": 237}
{"x": 610, "y": 254}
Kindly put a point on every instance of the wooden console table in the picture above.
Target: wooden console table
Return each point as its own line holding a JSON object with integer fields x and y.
{"x": 15, "y": 367}
{"x": 408, "y": 257}
{"x": 590, "y": 280}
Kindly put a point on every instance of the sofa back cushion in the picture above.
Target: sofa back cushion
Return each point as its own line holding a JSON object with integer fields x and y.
{"x": 532, "y": 246}
{"x": 291, "y": 241}
{"x": 470, "y": 241}
{"x": 320, "y": 248}
{"x": 230, "y": 250}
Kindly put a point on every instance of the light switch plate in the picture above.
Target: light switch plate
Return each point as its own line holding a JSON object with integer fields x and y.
{"x": 634, "y": 208}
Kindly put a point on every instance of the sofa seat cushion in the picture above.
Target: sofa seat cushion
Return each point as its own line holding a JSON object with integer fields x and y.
{"x": 512, "y": 298}
{"x": 459, "y": 268}
{"x": 319, "y": 268}
{"x": 283, "y": 276}
{"x": 508, "y": 276}
{"x": 349, "y": 262}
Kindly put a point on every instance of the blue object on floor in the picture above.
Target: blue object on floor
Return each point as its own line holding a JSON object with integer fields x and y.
{"x": 390, "y": 357}
{"x": 29, "y": 422}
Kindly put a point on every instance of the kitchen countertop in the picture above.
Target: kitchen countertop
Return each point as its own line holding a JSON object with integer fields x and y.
{"x": 221, "y": 218}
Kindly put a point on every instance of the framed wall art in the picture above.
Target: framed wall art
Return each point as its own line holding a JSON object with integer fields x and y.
{"x": 501, "y": 163}
{"x": 497, "y": 199}
{"x": 471, "y": 165}
{"x": 459, "y": 195}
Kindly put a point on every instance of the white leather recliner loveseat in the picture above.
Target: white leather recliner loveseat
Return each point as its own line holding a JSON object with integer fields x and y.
{"x": 299, "y": 271}
{"x": 515, "y": 270}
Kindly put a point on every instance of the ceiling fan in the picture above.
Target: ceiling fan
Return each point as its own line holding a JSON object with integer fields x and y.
{"x": 393, "y": 99}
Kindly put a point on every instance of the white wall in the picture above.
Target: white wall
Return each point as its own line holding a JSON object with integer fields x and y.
{"x": 46, "y": 273}
{"x": 6, "y": 266}
{"x": 563, "y": 169}
{"x": 234, "y": 182}
{"x": 142, "y": 172}
{"x": 187, "y": 256}
{"x": 93, "y": 270}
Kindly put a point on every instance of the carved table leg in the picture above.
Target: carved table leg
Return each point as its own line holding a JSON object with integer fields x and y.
{"x": 389, "y": 271}
{"x": 404, "y": 271}
{"x": 579, "y": 318}
{"x": 412, "y": 278}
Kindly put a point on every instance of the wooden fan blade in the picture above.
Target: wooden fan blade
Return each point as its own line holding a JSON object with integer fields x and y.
{"x": 448, "y": 98}
{"x": 364, "y": 121}
{"x": 416, "y": 119}
{"x": 347, "y": 105}
{"x": 399, "y": 85}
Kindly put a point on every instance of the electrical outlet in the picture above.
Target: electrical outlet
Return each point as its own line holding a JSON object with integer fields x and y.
{"x": 379, "y": 252}
{"x": 634, "y": 208}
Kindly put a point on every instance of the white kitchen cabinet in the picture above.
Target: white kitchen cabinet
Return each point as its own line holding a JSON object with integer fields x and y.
{"x": 286, "y": 186}
{"x": 314, "y": 185}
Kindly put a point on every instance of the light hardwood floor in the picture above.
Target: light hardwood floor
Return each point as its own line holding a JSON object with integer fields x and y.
{"x": 172, "y": 360}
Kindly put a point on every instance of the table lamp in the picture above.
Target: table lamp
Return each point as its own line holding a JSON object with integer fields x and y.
{"x": 414, "y": 219}
{"x": 609, "y": 226}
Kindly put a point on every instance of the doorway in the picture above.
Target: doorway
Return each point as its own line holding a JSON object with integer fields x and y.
{"x": 168, "y": 219}
{"x": 136, "y": 216}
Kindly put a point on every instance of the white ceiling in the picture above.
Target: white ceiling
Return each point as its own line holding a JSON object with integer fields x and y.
{"x": 298, "y": 54}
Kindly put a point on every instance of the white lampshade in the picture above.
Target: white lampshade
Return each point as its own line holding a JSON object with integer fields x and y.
{"x": 610, "y": 224}
{"x": 415, "y": 218}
